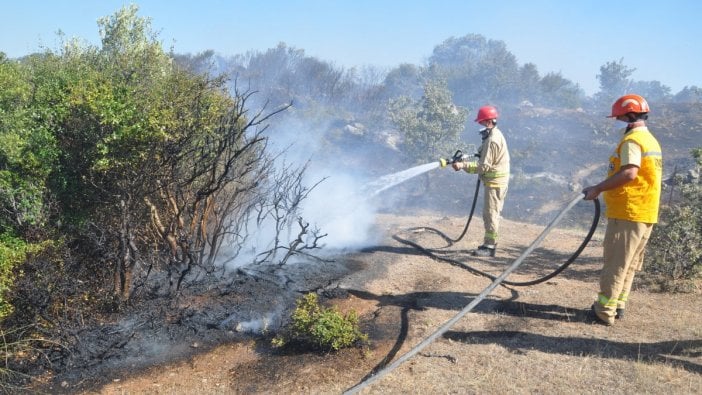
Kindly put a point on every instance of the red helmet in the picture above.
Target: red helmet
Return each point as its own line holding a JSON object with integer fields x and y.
{"x": 485, "y": 113}
{"x": 629, "y": 103}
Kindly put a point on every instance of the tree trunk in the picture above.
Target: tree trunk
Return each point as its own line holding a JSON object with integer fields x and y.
{"x": 127, "y": 257}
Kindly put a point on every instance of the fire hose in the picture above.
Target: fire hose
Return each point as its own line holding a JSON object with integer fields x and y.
{"x": 571, "y": 259}
{"x": 496, "y": 281}
{"x": 459, "y": 156}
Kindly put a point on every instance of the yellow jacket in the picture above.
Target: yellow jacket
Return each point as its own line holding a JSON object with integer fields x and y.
{"x": 637, "y": 200}
{"x": 493, "y": 165}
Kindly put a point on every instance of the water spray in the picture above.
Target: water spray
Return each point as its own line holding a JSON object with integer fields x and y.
{"x": 375, "y": 187}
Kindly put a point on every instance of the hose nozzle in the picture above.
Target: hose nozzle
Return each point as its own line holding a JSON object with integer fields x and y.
{"x": 459, "y": 156}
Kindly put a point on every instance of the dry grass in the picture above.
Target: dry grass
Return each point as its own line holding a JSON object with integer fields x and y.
{"x": 531, "y": 340}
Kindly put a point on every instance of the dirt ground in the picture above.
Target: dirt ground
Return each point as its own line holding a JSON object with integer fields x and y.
{"x": 518, "y": 340}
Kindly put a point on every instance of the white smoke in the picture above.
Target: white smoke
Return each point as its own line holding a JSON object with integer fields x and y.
{"x": 260, "y": 324}
{"x": 339, "y": 209}
{"x": 335, "y": 207}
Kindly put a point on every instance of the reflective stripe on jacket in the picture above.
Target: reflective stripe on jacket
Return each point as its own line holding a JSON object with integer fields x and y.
{"x": 637, "y": 200}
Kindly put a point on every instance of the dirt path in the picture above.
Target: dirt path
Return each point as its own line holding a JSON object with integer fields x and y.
{"x": 519, "y": 340}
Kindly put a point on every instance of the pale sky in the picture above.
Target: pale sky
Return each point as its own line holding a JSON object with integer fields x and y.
{"x": 660, "y": 39}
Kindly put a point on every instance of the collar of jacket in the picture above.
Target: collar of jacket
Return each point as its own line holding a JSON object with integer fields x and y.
{"x": 485, "y": 133}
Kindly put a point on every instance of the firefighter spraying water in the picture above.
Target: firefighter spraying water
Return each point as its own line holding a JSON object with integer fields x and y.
{"x": 491, "y": 163}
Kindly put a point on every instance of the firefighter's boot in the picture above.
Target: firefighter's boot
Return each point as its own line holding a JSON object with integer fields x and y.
{"x": 483, "y": 250}
{"x": 620, "y": 313}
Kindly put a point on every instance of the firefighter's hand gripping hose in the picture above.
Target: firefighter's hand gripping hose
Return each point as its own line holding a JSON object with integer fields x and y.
{"x": 497, "y": 281}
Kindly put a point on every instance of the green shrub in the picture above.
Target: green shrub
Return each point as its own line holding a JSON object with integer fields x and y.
{"x": 675, "y": 248}
{"x": 320, "y": 328}
{"x": 13, "y": 252}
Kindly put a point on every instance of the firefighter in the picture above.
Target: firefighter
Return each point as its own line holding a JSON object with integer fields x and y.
{"x": 492, "y": 167}
{"x": 631, "y": 193}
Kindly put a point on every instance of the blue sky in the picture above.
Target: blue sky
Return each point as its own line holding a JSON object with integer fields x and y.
{"x": 660, "y": 39}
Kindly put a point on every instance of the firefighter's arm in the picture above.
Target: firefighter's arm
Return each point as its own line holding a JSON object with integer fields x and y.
{"x": 624, "y": 175}
{"x": 469, "y": 166}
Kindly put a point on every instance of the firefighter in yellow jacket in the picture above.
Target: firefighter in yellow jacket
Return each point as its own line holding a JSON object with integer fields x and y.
{"x": 493, "y": 169}
{"x": 632, "y": 192}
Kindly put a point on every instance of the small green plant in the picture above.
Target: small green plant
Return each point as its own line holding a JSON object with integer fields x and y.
{"x": 321, "y": 328}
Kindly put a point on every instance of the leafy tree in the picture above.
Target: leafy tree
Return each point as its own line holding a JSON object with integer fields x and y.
{"x": 138, "y": 155}
{"x": 286, "y": 74}
{"x": 404, "y": 80}
{"x": 559, "y": 92}
{"x": 27, "y": 156}
{"x": 121, "y": 172}
{"x": 476, "y": 69}
{"x": 204, "y": 62}
{"x": 614, "y": 80}
{"x": 270, "y": 72}
{"x": 174, "y": 162}
{"x": 689, "y": 94}
{"x": 528, "y": 85}
{"x": 366, "y": 91}
{"x": 430, "y": 126}
{"x": 320, "y": 80}
{"x": 653, "y": 91}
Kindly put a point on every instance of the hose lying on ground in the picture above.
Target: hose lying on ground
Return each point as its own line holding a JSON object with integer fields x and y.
{"x": 496, "y": 281}
{"x": 432, "y": 252}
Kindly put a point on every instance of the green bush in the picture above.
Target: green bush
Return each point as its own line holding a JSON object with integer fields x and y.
{"x": 325, "y": 329}
{"x": 675, "y": 248}
{"x": 13, "y": 252}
